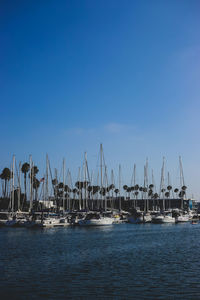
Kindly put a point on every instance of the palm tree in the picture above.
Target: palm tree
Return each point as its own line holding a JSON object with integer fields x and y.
{"x": 125, "y": 187}
{"x": 60, "y": 185}
{"x": 116, "y": 192}
{"x": 155, "y": 196}
{"x": 67, "y": 189}
{"x": 5, "y": 175}
{"x": 167, "y": 194}
{"x": 145, "y": 189}
{"x": 111, "y": 187}
{"x": 102, "y": 191}
{"x": 95, "y": 189}
{"x": 79, "y": 185}
{"x": 136, "y": 194}
{"x": 36, "y": 185}
{"x": 136, "y": 187}
{"x": 54, "y": 181}
{"x": 89, "y": 189}
{"x": 74, "y": 191}
{"x": 34, "y": 171}
{"x": 25, "y": 169}
{"x": 150, "y": 193}
{"x": 128, "y": 191}
{"x": 184, "y": 188}
{"x": 176, "y": 191}
{"x": 181, "y": 194}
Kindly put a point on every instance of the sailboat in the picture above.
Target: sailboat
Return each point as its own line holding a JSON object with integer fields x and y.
{"x": 96, "y": 219}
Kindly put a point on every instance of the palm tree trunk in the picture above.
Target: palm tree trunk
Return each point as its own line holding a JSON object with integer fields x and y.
{"x": 5, "y": 190}
{"x": 25, "y": 186}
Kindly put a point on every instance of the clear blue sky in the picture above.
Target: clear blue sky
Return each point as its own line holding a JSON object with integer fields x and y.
{"x": 125, "y": 73}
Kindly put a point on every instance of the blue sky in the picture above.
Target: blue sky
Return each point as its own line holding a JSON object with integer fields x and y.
{"x": 75, "y": 74}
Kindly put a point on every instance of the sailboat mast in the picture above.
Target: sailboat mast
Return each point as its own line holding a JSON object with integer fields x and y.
{"x": 162, "y": 183}
{"x": 101, "y": 168}
{"x": 63, "y": 184}
{"x": 13, "y": 183}
{"x": 182, "y": 181}
{"x": 85, "y": 178}
{"x": 112, "y": 182}
{"x": 119, "y": 187}
{"x": 106, "y": 185}
{"x": 47, "y": 181}
{"x": 19, "y": 189}
{"x": 79, "y": 187}
{"x": 147, "y": 181}
{"x": 31, "y": 171}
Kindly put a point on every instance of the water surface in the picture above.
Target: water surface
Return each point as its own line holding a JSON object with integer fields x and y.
{"x": 115, "y": 262}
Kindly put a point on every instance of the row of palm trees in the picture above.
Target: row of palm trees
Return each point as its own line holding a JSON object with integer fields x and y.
{"x": 6, "y": 176}
{"x": 148, "y": 191}
{"x": 84, "y": 189}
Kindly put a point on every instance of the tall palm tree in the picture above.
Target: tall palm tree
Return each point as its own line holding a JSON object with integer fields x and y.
{"x": 5, "y": 175}
{"x": 36, "y": 185}
{"x": 136, "y": 187}
{"x": 167, "y": 194}
{"x": 176, "y": 191}
{"x": 145, "y": 189}
{"x": 79, "y": 185}
{"x": 125, "y": 187}
{"x": 34, "y": 171}
{"x": 54, "y": 181}
{"x": 25, "y": 169}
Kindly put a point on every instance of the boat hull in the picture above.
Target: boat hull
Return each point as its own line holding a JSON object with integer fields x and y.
{"x": 96, "y": 222}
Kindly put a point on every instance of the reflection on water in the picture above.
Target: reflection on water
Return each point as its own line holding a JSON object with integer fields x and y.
{"x": 113, "y": 262}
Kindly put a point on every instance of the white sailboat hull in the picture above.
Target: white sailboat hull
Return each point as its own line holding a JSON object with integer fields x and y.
{"x": 182, "y": 219}
{"x": 167, "y": 219}
{"x": 96, "y": 222}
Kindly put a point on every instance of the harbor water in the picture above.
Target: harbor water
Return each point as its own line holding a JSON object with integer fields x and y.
{"x": 110, "y": 262}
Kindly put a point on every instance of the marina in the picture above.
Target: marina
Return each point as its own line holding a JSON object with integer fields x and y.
{"x": 55, "y": 202}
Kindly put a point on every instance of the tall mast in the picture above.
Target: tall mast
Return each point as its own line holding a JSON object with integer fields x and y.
{"x": 68, "y": 185}
{"x": 63, "y": 184}
{"x": 19, "y": 189}
{"x": 119, "y": 187}
{"x": 85, "y": 178}
{"x": 106, "y": 186}
{"x": 112, "y": 182}
{"x": 154, "y": 187}
{"x": 147, "y": 182}
{"x": 71, "y": 202}
{"x": 56, "y": 189}
{"x": 144, "y": 194}
{"x": 79, "y": 187}
{"x": 31, "y": 196}
{"x": 134, "y": 176}
{"x": 162, "y": 182}
{"x": 182, "y": 181}
{"x": 97, "y": 194}
{"x": 13, "y": 183}
{"x": 146, "y": 171}
{"x": 47, "y": 181}
{"x": 101, "y": 167}
{"x": 153, "y": 180}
